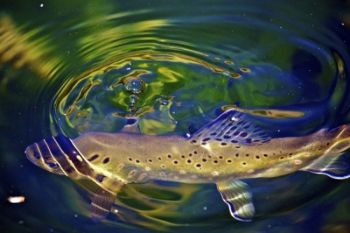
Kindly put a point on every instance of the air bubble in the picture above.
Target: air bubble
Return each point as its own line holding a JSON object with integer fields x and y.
{"x": 133, "y": 99}
{"x": 135, "y": 85}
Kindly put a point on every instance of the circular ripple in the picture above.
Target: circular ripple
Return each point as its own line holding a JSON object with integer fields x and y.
{"x": 173, "y": 74}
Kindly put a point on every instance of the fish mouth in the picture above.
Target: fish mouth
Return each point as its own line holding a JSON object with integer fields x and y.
{"x": 32, "y": 154}
{"x": 40, "y": 155}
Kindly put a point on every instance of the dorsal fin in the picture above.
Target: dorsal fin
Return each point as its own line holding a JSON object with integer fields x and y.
{"x": 231, "y": 127}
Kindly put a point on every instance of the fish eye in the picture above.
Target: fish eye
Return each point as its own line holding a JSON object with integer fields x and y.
{"x": 52, "y": 165}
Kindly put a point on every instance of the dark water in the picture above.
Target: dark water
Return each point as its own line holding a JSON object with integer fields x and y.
{"x": 76, "y": 67}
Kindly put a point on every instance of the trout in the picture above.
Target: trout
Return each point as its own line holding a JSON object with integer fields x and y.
{"x": 224, "y": 151}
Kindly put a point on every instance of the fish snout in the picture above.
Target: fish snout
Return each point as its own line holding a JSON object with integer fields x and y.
{"x": 32, "y": 153}
{"x": 40, "y": 154}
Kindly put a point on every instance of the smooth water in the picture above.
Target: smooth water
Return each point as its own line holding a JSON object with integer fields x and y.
{"x": 80, "y": 66}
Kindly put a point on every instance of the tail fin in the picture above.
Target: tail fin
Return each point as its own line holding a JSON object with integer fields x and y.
{"x": 340, "y": 137}
{"x": 334, "y": 163}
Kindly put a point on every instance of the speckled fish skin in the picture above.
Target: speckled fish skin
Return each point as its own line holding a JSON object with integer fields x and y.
{"x": 136, "y": 158}
{"x": 224, "y": 151}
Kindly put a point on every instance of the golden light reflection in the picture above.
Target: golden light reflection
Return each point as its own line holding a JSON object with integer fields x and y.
{"x": 270, "y": 113}
{"x": 17, "y": 48}
{"x": 160, "y": 204}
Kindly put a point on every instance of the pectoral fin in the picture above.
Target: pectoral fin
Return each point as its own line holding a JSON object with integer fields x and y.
{"x": 101, "y": 204}
{"x": 101, "y": 197}
{"x": 239, "y": 200}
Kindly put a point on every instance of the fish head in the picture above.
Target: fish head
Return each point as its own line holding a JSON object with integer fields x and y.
{"x": 40, "y": 155}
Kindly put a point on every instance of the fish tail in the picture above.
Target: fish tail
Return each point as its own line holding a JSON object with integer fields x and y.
{"x": 343, "y": 131}
{"x": 335, "y": 163}
{"x": 340, "y": 137}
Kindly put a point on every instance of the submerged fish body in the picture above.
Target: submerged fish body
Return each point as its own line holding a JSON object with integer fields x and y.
{"x": 224, "y": 151}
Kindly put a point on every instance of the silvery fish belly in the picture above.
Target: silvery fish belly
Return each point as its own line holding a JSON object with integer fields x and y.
{"x": 224, "y": 151}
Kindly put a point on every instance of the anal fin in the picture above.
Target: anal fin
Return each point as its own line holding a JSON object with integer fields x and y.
{"x": 239, "y": 200}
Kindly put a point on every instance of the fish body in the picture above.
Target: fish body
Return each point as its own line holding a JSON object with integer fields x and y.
{"x": 140, "y": 157}
{"x": 226, "y": 150}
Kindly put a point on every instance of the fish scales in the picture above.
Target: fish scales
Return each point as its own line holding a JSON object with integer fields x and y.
{"x": 175, "y": 158}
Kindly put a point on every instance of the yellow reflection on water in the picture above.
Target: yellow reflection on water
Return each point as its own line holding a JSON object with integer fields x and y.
{"x": 18, "y": 48}
{"x": 157, "y": 206}
{"x": 270, "y": 113}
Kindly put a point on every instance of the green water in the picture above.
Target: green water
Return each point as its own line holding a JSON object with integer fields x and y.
{"x": 76, "y": 67}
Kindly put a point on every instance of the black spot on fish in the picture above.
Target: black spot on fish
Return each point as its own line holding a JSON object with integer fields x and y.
{"x": 106, "y": 160}
{"x": 94, "y": 157}
{"x": 244, "y": 134}
{"x": 227, "y": 136}
{"x": 266, "y": 155}
{"x": 176, "y": 162}
{"x": 169, "y": 156}
{"x": 150, "y": 160}
{"x": 198, "y": 165}
{"x": 223, "y": 143}
{"x": 193, "y": 141}
{"x": 189, "y": 161}
{"x": 100, "y": 177}
{"x": 244, "y": 163}
{"x": 234, "y": 141}
{"x": 206, "y": 139}
{"x": 137, "y": 161}
{"x": 204, "y": 160}
{"x": 229, "y": 161}
{"x": 237, "y": 155}
{"x": 130, "y": 159}
{"x": 257, "y": 157}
